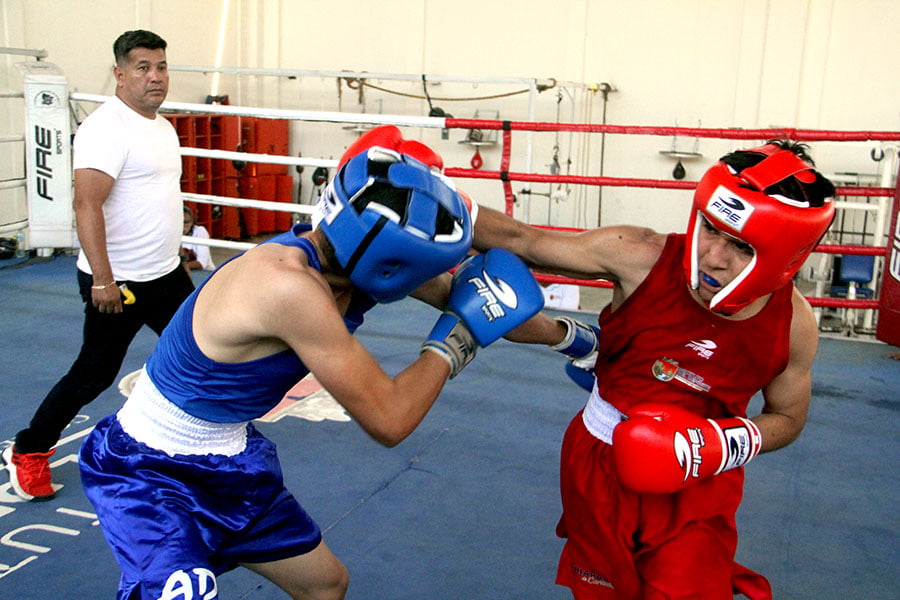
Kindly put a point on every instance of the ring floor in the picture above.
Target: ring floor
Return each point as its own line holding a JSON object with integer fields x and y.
{"x": 465, "y": 508}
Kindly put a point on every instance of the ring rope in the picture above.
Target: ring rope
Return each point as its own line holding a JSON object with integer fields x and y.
{"x": 264, "y": 158}
{"x": 735, "y": 133}
{"x": 506, "y": 177}
{"x": 626, "y": 181}
{"x": 231, "y": 245}
{"x": 278, "y": 113}
{"x": 303, "y": 209}
{"x": 824, "y": 248}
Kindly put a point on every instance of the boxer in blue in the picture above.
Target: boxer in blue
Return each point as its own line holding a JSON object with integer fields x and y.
{"x": 184, "y": 486}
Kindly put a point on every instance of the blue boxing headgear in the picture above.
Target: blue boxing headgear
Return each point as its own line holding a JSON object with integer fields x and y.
{"x": 393, "y": 223}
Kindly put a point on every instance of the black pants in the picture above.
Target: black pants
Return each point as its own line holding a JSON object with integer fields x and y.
{"x": 103, "y": 349}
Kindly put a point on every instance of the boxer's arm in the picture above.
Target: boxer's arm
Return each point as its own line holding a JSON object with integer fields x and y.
{"x": 539, "y": 329}
{"x": 622, "y": 254}
{"x": 295, "y": 305}
{"x": 787, "y": 397}
{"x": 299, "y": 309}
{"x": 491, "y": 294}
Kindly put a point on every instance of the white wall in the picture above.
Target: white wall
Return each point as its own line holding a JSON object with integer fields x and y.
{"x": 815, "y": 64}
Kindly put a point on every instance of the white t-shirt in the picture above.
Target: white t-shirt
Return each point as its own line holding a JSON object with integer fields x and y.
{"x": 143, "y": 211}
{"x": 561, "y": 295}
{"x": 200, "y": 251}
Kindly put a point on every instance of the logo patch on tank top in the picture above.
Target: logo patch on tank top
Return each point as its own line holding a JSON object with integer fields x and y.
{"x": 666, "y": 369}
{"x": 703, "y": 348}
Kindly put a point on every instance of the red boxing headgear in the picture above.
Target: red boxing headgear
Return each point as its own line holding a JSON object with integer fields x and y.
{"x": 782, "y": 231}
{"x": 388, "y": 136}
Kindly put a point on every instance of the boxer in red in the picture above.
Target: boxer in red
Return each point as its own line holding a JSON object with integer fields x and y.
{"x": 651, "y": 472}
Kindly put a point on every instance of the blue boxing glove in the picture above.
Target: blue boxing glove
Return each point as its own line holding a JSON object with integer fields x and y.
{"x": 583, "y": 376}
{"x": 491, "y": 294}
{"x": 580, "y": 346}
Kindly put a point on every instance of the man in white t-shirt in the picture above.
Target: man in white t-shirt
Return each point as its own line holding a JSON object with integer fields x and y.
{"x": 127, "y": 169}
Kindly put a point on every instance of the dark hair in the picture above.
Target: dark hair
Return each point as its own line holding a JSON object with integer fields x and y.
{"x": 813, "y": 193}
{"x": 139, "y": 38}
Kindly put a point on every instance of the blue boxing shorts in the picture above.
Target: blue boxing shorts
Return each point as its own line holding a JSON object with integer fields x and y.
{"x": 175, "y": 522}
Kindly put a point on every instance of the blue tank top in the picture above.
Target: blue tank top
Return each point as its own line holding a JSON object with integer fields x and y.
{"x": 232, "y": 392}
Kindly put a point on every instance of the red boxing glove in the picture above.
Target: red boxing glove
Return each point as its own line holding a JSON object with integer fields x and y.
{"x": 662, "y": 448}
{"x": 388, "y": 136}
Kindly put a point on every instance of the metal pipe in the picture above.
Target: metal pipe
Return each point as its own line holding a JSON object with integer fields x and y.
{"x": 24, "y": 52}
{"x": 12, "y": 183}
{"x": 351, "y": 75}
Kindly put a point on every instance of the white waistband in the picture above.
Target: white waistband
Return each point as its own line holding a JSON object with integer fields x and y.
{"x": 149, "y": 417}
{"x": 600, "y": 417}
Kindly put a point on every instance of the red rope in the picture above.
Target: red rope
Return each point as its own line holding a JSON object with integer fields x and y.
{"x": 864, "y": 191}
{"x": 547, "y": 278}
{"x": 736, "y": 133}
{"x": 824, "y": 248}
{"x": 813, "y": 301}
{"x": 801, "y": 135}
{"x": 619, "y": 181}
{"x": 504, "y": 168}
{"x": 845, "y": 249}
{"x": 580, "y": 179}
{"x": 843, "y": 303}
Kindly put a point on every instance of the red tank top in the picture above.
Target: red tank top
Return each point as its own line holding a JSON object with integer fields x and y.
{"x": 661, "y": 345}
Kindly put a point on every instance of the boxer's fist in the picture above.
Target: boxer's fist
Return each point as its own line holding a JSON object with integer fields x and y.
{"x": 491, "y": 294}
{"x": 582, "y": 372}
{"x": 580, "y": 346}
{"x": 581, "y": 340}
{"x": 662, "y": 448}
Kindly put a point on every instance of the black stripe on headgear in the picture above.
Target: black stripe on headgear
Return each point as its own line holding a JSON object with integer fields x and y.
{"x": 364, "y": 244}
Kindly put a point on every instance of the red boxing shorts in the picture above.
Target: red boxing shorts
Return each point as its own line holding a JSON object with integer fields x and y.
{"x": 621, "y": 545}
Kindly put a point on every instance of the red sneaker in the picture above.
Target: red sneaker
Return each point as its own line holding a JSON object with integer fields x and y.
{"x": 29, "y": 474}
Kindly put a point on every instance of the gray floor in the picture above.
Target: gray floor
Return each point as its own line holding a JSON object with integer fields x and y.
{"x": 466, "y": 507}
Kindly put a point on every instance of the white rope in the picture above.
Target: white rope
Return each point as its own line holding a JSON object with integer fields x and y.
{"x": 265, "y": 158}
{"x": 277, "y": 113}
{"x": 16, "y": 226}
{"x": 216, "y": 243}
{"x": 303, "y": 209}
